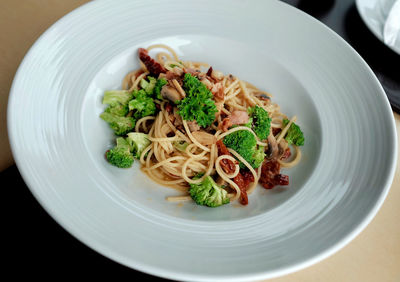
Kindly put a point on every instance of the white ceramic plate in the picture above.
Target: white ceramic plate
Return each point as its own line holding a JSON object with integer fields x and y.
{"x": 58, "y": 139}
{"x": 374, "y": 14}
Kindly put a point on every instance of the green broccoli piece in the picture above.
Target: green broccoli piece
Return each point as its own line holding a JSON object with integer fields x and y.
{"x": 260, "y": 121}
{"x": 120, "y": 155}
{"x": 118, "y": 101}
{"x": 180, "y": 145}
{"x": 258, "y": 157}
{"x": 157, "y": 88}
{"x": 148, "y": 86}
{"x": 198, "y": 104}
{"x": 143, "y": 83}
{"x": 120, "y": 125}
{"x": 142, "y": 105}
{"x": 138, "y": 142}
{"x": 249, "y": 124}
{"x": 113, "y": 97}
{"x": 118, "y": 110}
{"x": 245, "y": 144}
{"x": 208, "y": 193}
{"x": 294, "y": 135}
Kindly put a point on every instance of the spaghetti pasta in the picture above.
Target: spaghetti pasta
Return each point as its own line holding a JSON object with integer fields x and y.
{"x": 177, "y": 157}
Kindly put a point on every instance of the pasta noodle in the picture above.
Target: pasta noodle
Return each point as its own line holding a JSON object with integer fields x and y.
{"x": 180, "y": 150}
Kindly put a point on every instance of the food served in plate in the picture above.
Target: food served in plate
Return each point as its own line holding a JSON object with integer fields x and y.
{"x": 212, "y": 136}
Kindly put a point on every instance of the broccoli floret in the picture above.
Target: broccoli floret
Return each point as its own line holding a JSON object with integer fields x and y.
{"x": 148, "y": 86}
{"x": 294, "y": 135}
{"x": 157, "y": 88}
{"x": 260, "y": 121}
{"x": 118, "y": 110}
{"x": 120, "y": 125}
{"x": 245, "y": 144}
{"x": 138, "y": 142}
{"x": 180, "y": 145}
{"x": 118, "y": 101}
{"x": 258, "y": 157}
{"x": 198, "y": 104}
{"x": 208, "y": 193}
{"x": 120, "y": 155}
{"x": 113, "y": 97}
{"x": 249, "y": 124}
{"x": 142, "y": 105}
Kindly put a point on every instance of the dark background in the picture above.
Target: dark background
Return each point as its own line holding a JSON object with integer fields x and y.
{"x": 36, "y": 246}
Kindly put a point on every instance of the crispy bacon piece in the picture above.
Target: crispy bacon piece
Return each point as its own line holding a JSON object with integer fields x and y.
{"x": 193, "y": 126}
{"x": 270, "y": 176}
{"x": 229, "y": 167}
{"x": 237, "y": 117}
{"x": 193, "y": 72}
{"x": 152, "y": 66}
{"x": 219, "y": 95}
{"x": 225, "y": 124}
{"x": 207, "y": 83}
{"x": 170, "y": 75}
{"x": 218, "y": 91}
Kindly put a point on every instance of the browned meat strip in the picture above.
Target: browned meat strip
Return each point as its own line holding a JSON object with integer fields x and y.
{"x": 193, "y": 126}
{"x": 225, "y": 124}
{"x": 236, "y": 118}
{"x": 170, "y": 75}
{"x": 239, "y": 117}
{"x": 218, "y": 91}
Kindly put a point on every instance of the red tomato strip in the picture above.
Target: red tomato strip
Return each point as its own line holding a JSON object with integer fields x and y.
{"x": 229, "y": 167}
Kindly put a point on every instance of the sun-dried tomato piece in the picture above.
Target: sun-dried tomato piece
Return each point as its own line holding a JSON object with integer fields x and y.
{"x": 152, "y": 66}
{"x": 270, "y": 176}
